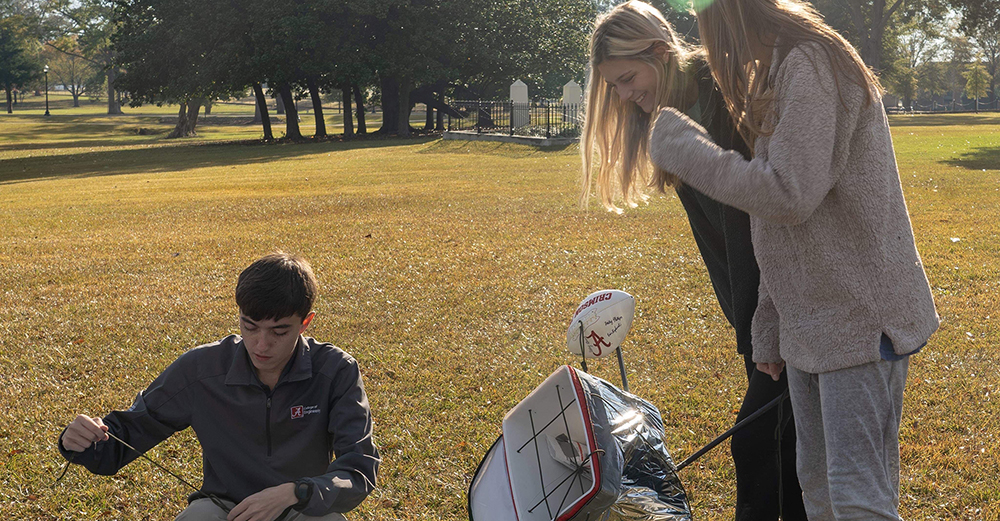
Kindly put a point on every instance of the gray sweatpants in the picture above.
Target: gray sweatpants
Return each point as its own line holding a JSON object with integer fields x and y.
{"x": 847, "y": 427}
{"x": 205, "y": 510}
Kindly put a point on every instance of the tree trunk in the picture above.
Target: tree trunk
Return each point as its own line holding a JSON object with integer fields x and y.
{"x": 348, "y": 117}
{"x": 317, "y": 102}
{"x": 193, "y": 107}
{"x": 187, "y": 119}
{"x": 390, "y": 105}
{"x": 76, "y": 97}
{"x": 405, "y": 86}
{"x": 10, "y": 103}
{"x": 279, "y": 105}
{"x": 181, "y": 123}
{"x": 265, "y": 118}
{"x": 360, "y": 105}
{"x": 428, "y": 118}
{"x": 208, "y": 108}
{"x": 114, "y": 108}
{"x": 870, "y": 24}
{"x": 291, "y": 114}
{"x": 440, "y": 115}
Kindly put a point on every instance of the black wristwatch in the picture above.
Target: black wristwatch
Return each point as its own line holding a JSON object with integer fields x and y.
{"x": 303, "y": 491}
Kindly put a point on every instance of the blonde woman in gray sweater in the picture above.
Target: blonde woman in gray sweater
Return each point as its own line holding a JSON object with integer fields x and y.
{"x": 843, "y": 298}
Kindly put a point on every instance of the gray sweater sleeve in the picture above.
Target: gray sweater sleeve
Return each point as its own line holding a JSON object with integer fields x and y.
{"x": 765, "y": 329}
{"x": 798, "y": 173}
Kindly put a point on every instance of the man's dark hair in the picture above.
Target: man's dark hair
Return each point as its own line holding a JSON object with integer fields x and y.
{"x": 276, "y": 286}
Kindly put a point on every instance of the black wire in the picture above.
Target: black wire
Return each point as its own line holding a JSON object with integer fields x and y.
{"x": 218, "y": 502}
{"x": 72, "y": 456}
{"x": 781, "y": 491}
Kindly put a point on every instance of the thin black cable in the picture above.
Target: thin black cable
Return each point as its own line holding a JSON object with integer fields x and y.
{"x": 69, "y": 460}
{"x": 218, "y": 502}
{"x": 781, "y": 491}
{"x": 743, "y": 423}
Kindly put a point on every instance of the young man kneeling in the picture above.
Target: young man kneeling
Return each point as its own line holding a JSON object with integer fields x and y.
{"x": 271, "y": 409}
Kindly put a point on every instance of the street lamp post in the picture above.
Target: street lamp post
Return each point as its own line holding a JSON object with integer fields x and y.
{"x": 47, "y": 91}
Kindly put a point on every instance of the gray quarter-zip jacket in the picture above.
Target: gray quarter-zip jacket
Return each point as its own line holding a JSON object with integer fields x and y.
{"x": 314, "y": 424}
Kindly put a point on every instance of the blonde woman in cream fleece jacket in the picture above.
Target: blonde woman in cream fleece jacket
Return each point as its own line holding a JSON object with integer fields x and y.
{"x": 843, "y": 297}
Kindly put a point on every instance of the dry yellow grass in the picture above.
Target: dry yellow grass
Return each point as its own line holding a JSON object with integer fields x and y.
{"x": 449, "y": 270}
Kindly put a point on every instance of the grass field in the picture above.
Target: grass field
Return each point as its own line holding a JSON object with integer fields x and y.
{"x": 449, "y": 270}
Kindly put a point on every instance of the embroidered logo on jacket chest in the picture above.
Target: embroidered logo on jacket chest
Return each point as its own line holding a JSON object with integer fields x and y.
{"x": 300, "y": 411}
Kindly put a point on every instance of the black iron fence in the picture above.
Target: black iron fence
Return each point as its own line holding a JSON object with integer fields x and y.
{"x": 966, "y": 105}
{"x": 545, "y": 118}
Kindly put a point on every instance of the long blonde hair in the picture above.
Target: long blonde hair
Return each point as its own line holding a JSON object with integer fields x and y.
{"x": 728, "y": 29}
{"x": 617, "y": 128}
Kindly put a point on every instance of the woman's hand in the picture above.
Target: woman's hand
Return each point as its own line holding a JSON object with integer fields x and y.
{"x": 774, "y": 369}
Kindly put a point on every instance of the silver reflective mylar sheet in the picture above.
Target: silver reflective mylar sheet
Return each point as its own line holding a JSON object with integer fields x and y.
{"x": 651, "y": 490}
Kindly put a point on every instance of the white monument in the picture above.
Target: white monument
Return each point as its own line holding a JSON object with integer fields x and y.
{"x": 519, "y": 92}
{"x": 572, "y": 93}
{"x": 521, "y": 110}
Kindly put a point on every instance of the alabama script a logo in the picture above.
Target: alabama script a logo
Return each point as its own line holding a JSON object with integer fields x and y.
{"x": 297, "y": 412}
{"x": 599, "y": 342}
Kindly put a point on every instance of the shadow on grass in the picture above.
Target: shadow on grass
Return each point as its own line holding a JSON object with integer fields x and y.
{"x": 944, "y": 120}
{"x": 184, "y": 156}
{"x": 115, "y": 138}
{"x": 979, "y": 158}
{"x": 494, "y": 148}
{"x": 60, "y": 131}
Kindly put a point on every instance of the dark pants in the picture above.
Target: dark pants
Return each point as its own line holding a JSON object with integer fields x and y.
{"x": 759, "y": 476}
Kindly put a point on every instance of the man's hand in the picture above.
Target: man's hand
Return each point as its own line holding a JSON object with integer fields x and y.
{"x": 772, "y": 369}
{"x": 84, "y": 432}
{"x": 265, "y": 505}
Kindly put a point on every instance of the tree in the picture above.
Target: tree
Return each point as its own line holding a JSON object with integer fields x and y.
{"x": 981, "y": 21}
{"x": 17, "y": 63}
{"x": 482, "y": 46}
{"x": 69, "y": 69}
{"x": 92, "y": 22}
{"x": 960, "y": 50}
{"x": 931, "y": 81}
{"x": 543, "y": 44}
{"x": 176, "y": 51}
{"x": 977, "y": 80}
{"x": 989, "y": 43}
{"x": 867, "y": 23}
{"x": 916, "y": 44}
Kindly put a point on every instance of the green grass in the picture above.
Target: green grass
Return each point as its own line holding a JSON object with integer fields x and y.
{"x": 449, "y": 269}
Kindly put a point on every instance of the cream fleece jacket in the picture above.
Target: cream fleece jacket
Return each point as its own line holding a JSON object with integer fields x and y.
{"x": 829, "y": 224}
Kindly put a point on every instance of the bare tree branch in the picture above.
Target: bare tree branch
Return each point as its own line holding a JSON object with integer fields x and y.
{"x": 70, "y": 53}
